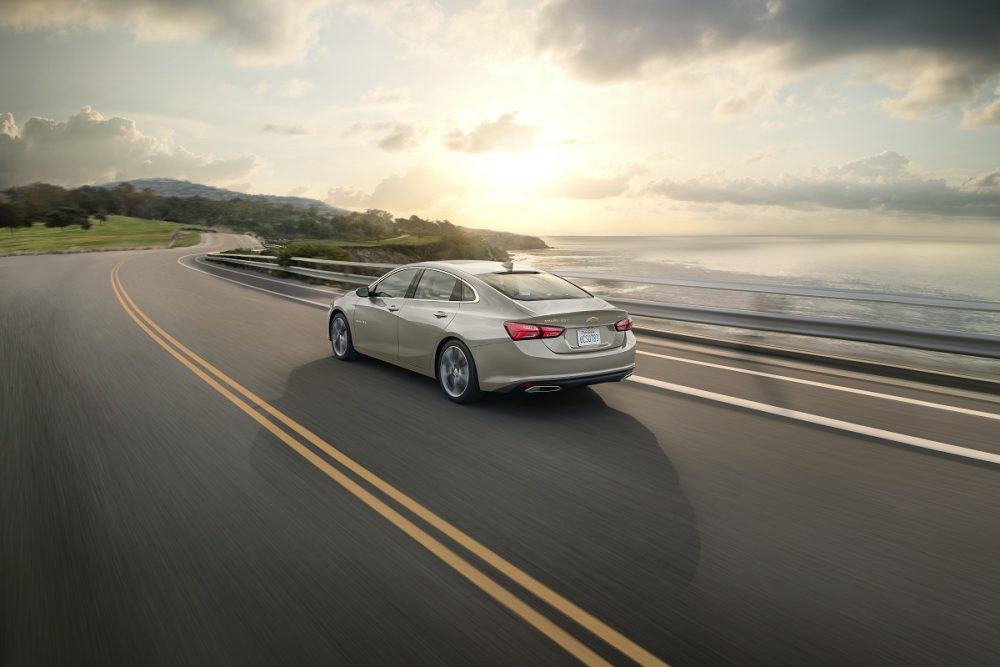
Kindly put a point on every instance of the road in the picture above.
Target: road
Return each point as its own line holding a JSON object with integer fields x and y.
{"x": 188, "y": 477}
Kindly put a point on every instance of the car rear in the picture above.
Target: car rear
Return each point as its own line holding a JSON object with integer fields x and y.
{"x": 558, "y": 336}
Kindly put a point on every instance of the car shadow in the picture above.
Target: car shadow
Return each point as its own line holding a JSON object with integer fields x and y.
{"x": 576, "y": 493}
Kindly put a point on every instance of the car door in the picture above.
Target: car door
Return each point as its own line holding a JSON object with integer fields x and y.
{"x": 423, "y": 318}
{"x": 376, "y": 318}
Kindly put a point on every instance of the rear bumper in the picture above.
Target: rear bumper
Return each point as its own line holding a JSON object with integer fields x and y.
{"x": 506, "y": 364}
{"x": 546, "y": 385}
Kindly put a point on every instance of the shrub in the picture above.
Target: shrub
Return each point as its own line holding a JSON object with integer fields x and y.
{"x": 311, "y": 249}
{"x": 65, "y": 216}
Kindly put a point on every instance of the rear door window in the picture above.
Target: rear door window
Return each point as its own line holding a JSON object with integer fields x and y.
{"x": 463, "y": 292}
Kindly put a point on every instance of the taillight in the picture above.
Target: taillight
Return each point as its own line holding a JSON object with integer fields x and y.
{"x": 551, "y": 332}
{"x": 524, "y": 331}
{"x": 624, "y": 325}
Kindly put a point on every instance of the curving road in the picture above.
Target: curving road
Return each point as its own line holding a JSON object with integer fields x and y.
{"x": 188, "y": 477}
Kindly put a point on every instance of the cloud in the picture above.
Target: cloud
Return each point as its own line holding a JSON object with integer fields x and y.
{"x": 880, "y": 182}
{"x": 286, "y": 129}
{"x": 738, "y": 105}
{"x": 393, "y": 137}
{"x": 89, "y": 148}
{"x": 491, "y": 33}
{"x": 504, "y": 134}
{"x": 290, "y": 89}
{"x": 8, "y": 128}
{"x": 575, "y": 185}
{"x": 941, "y": 52}
{"x": 298, "y": 190}
{"x": 416, "y": 190}
{"x": 346, "y": 197}
{"x": 253, "y": 32}
{"x": 385, "y": 96}
{"x": 988, "y": 183}
{"x": 401, "y": 137}
{"x": 616, "y": 40}
{"x": 930, "y": 84}
{"x": 983, "y": 116}
{"x": 760, "y": 156}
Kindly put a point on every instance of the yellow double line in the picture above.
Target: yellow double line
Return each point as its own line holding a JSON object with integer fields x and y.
{"x": 270, "y": 417}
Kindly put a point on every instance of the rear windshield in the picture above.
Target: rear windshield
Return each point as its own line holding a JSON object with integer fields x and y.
{"x": 531, "y": 286}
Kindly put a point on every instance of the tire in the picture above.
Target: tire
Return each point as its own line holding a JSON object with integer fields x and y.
{"x": 456, "y": 373}
{"x": 341, "y": 340}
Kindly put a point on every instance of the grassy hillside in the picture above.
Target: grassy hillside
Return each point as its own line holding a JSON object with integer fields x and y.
{"x": 117, "y": 231}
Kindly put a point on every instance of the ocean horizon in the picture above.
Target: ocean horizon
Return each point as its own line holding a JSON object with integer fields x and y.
{"x": 955, "y": 266}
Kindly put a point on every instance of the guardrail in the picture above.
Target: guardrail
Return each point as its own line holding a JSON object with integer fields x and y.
{"x": 980, "y": 345}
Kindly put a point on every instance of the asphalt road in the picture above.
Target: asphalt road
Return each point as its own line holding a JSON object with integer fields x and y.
{"x": 151, "y": 512}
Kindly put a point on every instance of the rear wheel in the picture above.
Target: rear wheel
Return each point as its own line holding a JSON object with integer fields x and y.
{"x": 340, "y": 339}
{"x": 456, "y": 371}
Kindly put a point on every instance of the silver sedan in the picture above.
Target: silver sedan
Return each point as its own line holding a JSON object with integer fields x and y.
{"x": 485, "y": 326}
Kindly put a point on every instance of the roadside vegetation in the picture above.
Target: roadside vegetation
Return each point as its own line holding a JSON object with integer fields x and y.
{"x": 452, "y": 244}
{"x": 313, "y": 230}
{"x": 92, "y": 233}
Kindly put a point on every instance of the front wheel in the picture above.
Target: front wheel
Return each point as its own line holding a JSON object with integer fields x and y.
{"x": 457, "y": 373}
{"x": 340, "y": 339}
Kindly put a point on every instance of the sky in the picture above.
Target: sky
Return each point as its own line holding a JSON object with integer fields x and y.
{"x": 560, "y": 117}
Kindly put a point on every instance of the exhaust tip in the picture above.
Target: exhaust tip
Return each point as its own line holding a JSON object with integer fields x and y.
{"x": 542, "y": 389}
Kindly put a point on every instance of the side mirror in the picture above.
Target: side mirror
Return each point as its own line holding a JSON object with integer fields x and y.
{"x": 361, "y": 291}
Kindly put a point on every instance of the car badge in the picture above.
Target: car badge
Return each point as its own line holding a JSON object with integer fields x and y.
{"x": 592, "y": 319}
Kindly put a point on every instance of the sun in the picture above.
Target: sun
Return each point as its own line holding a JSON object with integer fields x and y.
{"x": 516, "y": 171}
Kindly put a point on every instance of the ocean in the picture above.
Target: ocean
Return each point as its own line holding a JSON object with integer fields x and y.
{"x": 934, "y": 266}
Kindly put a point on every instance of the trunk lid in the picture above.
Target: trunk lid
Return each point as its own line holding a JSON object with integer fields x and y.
{"x": 589, "y": 323}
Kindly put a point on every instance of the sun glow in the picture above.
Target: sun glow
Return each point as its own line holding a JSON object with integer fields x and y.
{"x": 516, "y": 171}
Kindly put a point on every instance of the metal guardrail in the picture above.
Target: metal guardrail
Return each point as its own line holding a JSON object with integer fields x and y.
{"x": 812, "y": 292}
{"x": 980, "y": 345}
{"x": 271, "y": 263}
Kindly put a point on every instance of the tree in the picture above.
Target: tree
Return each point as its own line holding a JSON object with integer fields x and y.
{"x": 416, "y": 226}
{"x": 64, "y": 216}
{"x": 12, "y": 215}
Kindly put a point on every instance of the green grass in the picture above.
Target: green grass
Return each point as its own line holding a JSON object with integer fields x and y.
{"x": 117, "y": 231}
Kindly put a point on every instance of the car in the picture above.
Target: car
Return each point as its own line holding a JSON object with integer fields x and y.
{"x": 481, "y": 326}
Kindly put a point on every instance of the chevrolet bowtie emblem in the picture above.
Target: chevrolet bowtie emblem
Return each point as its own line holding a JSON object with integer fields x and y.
{"x": 592, "y": 319}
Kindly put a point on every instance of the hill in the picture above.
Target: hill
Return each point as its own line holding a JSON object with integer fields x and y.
{"x": 171, "y": 187}
{"x": 508, "y": 240}
{"x": 271, "y": 218}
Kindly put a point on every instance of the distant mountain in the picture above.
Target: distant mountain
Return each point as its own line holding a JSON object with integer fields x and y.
{"x": 170, "y": 187}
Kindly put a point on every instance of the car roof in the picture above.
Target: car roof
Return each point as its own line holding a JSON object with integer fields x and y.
{"x": 475, "y": 266}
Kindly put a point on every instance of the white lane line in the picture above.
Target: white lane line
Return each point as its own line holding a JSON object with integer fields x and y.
{"x": 828, "y": 422}
{"x": 261, "y": 289}
{"x": 812, "y": 383}
{"x": 838, "y": 374}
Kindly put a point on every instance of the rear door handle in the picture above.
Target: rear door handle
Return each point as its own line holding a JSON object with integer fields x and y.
{"x": 440, "y": 313}
{"x": 393, "y": 309}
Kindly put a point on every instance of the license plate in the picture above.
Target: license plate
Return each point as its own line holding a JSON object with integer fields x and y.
{"x": 588, "y": 337}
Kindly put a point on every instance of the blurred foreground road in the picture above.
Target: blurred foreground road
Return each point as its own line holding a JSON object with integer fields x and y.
{"x": 145, "y": 518}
